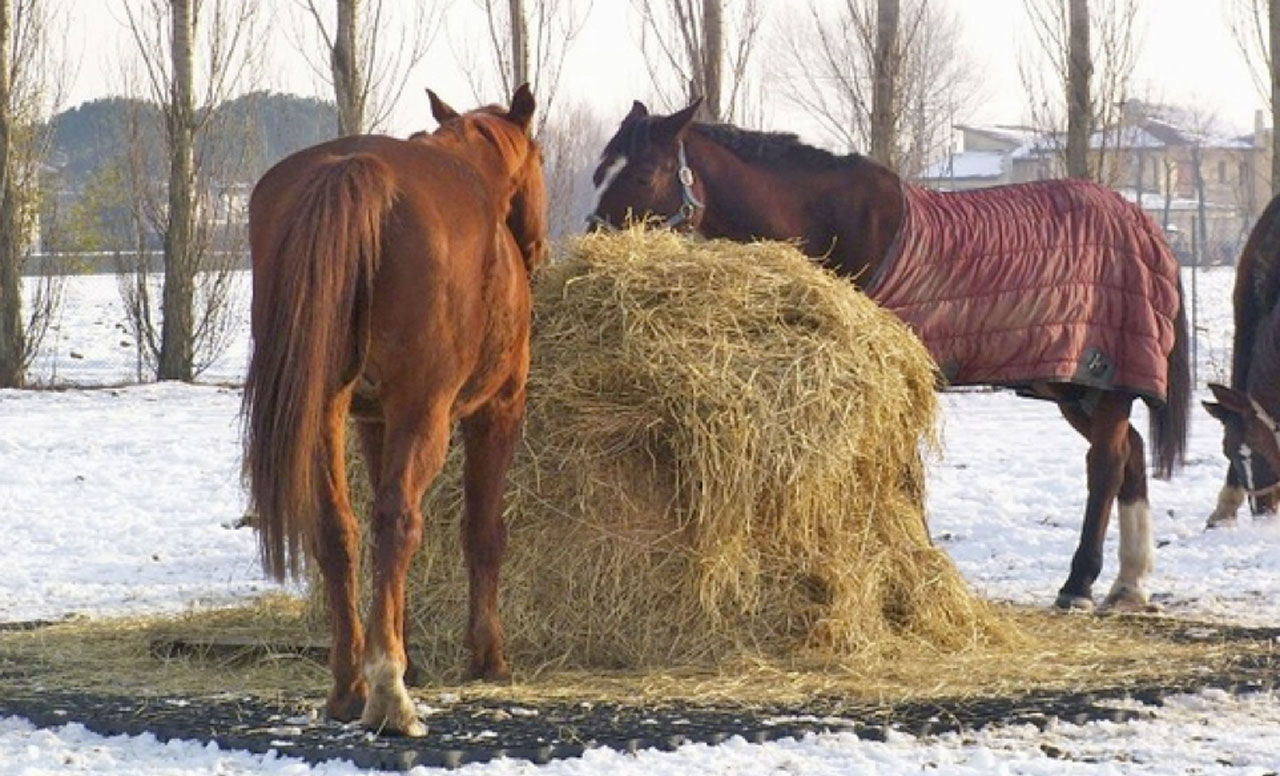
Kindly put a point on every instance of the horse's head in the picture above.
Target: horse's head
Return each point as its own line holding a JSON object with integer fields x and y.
{"x": 644, "y": 173}
{"x": 508, "y": 132}
{"x": 1250, "y": 440}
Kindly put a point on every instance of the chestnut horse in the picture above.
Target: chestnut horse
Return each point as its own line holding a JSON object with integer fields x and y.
{"x": 859, "y": 219}
{"x": 391, "y": 282}
{"x": 1249, "y": 407}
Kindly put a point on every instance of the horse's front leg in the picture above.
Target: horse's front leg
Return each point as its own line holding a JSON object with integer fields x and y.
{"x": 490, "y": 436}
{"x": 412, "y": 456}
{"x": 1229, "y": 500}
{"x": 335, "y": 545}
{"x": 1107, "y": 429}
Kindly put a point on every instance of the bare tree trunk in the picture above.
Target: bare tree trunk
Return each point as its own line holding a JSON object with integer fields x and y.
{"x": 828, "y": 73}
{"x": 1201, "y": 232}
{"x": 519, "y": 44}
{"x": 1273, "y": 16}
{"x": 691, "y": 52}
{"x": 176, "y": 341}
{"x": 12, "y": 338}
{"x": 712, "y": 57}
{"x": 1079, "y": 104}
{"x": 348, "y": 81}
{"x": 884, "y": 87}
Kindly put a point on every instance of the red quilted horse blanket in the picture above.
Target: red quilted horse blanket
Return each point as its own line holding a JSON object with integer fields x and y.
{"x": 1053, "y": 281}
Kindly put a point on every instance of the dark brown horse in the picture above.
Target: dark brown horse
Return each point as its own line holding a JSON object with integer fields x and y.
{"x": 391, "y": 282}
{"x": 1249, "y": 407}
{"x": 1059, "y": 289}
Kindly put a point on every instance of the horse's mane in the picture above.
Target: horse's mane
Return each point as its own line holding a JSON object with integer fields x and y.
{"x": 773, "y": 148}
{"x": 1259, "y": 270}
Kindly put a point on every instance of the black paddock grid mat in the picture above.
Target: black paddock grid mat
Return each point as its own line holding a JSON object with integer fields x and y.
{"x": 470, "y": 731}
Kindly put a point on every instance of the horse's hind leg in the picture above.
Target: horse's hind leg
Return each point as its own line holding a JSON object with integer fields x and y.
{"x": 490, "y": 436}
{"x": 412, "y": 455}
{"x": 336, "y": 547}
{"x": 1137, "y": 540}
{"x": 1107, "y": 430}
{"x": 372, "y": 431}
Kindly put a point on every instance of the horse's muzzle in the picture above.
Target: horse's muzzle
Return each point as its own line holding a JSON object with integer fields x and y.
{"x": 598, "y": 223}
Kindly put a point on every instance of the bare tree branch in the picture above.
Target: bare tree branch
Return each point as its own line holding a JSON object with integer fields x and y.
{"x": 683, "y": 43}
{"x": 828, "y": 73}
{"x": 551, "y": 25}
{"x": 33, "y": 78}
{"x": 389, "y": 41}
{"x": 1255, "y": 25}
{"x": 1114, "y": 47}
{"x": 192, "y": 65}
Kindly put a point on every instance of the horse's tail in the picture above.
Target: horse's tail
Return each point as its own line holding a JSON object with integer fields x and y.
{"x": 1169, "y": 422}
{"x": 311, "y": 334}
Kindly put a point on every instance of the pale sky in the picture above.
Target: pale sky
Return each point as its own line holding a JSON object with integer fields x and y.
{"x": 1188, "y": 58}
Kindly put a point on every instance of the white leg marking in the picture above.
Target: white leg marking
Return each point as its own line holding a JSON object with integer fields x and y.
{"x": 1137, "y": 556}
{"x": 389, "y": 706}
{"x": 1229, "y": 500}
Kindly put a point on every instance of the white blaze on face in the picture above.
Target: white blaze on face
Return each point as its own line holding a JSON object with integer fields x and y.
{"x": 1246, "y": 463}
{"x": 610, "y": 173}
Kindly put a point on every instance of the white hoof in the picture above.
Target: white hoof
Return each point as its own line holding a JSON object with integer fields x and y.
{"x": 1220, "y": 521}
{"x": 1073, "y": 603}
{"x": 1128, "y": 600}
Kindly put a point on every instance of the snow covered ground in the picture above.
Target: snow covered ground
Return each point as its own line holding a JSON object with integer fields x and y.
{"x": 122, "y": 500}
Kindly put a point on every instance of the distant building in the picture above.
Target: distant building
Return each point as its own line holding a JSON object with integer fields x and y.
{"x": 1152, "y": 158}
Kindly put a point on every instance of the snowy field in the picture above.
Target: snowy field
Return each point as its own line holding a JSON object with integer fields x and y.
{"x": 122, "y": 500}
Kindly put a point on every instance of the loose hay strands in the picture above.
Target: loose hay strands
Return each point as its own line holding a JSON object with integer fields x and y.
{"x": 1057, "y": 652}
{"x": 722, "y": 457}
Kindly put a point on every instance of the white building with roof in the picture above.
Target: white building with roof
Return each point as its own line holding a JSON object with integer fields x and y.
{"x": 1181, "y": 173}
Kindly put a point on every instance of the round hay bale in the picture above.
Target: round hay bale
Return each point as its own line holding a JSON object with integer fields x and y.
{"x": 722, "y": 457}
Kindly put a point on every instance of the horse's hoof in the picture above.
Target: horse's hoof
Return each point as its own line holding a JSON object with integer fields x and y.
{"x": 412, "y": 728}
{"x": 1127, "y": 601}
{"x": 1073, "y": 603}
{"x": 1221, "y": 520}
{"x": 495, "y": 674}
{"x": 414, "y": 676}
{"x": 394, "y": 718}
{"x": 345, "y": 707}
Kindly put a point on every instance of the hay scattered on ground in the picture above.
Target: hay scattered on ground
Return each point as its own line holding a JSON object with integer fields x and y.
{"x": 1060, "y": 653}
{"x": 722, "y": 457}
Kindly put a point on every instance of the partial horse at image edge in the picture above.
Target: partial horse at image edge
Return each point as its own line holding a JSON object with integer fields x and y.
{"x": 391, "y": 283}
{"x": 856, "y": 217}
{"x": 1249, "y": 407}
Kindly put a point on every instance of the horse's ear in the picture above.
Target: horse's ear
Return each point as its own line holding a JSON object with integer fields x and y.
{"x": 638, "y": 111}
{"x": 440, "y": 109}
{"x": 1217, "y": 410}
{"x": 672, "y": 126}
{"x": 1231, "y": 399}
{"x": 522, "y": 107}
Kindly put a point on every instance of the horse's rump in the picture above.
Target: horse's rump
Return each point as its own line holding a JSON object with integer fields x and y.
{"x": 1054, "y": 281}
{"x": 314, "y": 257}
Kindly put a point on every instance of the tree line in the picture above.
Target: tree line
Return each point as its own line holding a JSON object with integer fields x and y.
{"x": 888, "y": 78}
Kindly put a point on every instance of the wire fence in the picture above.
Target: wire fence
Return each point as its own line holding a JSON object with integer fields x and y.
{"x": 90, "y": 341}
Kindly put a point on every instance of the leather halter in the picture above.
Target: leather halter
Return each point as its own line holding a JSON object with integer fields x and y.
{"x": 689, "y": 202}
{"x": 1246, "y": 455}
